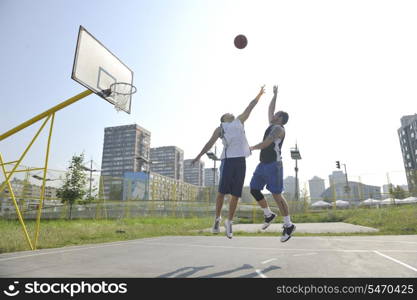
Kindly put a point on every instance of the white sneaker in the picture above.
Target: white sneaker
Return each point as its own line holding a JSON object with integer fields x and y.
{"x": 268, "y": 220}
{"x": 287, "y": 233}
{"x": 216, "y": 226}
{"x": 228, "y": 226}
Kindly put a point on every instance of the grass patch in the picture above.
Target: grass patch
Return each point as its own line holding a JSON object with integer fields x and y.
{"x": 391, "y": 220}
{"x": 59, "y": 233}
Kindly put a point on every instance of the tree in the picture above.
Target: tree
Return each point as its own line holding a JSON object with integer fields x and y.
{"x": 74, "y": 187}
{"x": 397, "y": 192}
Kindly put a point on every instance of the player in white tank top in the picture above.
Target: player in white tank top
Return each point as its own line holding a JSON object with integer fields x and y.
{"x": 232, "y": 133}
{"x": 234, "y": 140}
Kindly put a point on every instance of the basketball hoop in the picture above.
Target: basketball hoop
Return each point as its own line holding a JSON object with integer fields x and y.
{"x": 120, "y": 93}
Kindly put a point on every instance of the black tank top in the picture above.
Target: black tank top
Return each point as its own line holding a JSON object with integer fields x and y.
{"x": 269, "y": 154}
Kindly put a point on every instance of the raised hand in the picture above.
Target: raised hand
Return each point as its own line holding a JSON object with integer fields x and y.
{"x": 261, "y": 92}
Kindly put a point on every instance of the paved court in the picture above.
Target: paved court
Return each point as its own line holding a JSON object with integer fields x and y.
{"x": 217, "y": 256}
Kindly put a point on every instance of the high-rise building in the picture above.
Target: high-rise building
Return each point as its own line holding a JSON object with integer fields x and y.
{"x": 168, "y": 161}
{"x": 289, "y": 187}
{"x": 407, "y": 134}
{"x": 126, "y": 149}
{"x": 194, "y": 174}
{"x": 211, "y": 176}
{"x": 316, "y": 187}
{"x": 337, "y": 177}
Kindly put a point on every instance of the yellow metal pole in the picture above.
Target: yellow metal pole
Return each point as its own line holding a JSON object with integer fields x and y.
{"x": 38, "y": 218}
{"x": 104, "y": 199}
{"x": 361, "y": 196}
{"x": 45, "y": 114}
{"x": 15, "y": 205}
{"x": 254, "y": 212}
{"x": 334, "y": 194}
{"x": 10, "y": 162}
{"x": 24, "y": 154}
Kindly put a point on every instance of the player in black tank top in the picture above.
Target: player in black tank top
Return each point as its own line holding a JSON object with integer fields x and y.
{"x": 269, "y": 154}
{"x": 269, "y": 171}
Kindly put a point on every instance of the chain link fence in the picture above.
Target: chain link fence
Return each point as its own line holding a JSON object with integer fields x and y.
{"x": 150, "y": 194}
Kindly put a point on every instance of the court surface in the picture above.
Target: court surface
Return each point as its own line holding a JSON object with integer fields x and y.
{"x": 217, "y": 256}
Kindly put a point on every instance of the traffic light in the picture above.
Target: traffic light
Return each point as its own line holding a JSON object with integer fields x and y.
{"x": 338, "y": 164}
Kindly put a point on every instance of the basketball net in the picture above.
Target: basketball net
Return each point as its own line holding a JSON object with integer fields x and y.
{"x": 121, "y": 93}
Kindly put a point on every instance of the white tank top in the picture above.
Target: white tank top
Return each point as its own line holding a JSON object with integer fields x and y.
{"x": 234, "y": 140}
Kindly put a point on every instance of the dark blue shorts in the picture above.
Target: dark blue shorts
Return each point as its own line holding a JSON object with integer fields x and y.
{"x": 269, "y": 174}
{"x": 232, "y": 176}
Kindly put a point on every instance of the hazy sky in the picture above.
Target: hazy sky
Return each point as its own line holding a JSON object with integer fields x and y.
{"x": 346, "y": 72}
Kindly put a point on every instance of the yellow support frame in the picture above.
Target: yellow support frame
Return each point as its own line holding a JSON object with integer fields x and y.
{"x": 19, "y": 215}
{"x": 47, "y": 115}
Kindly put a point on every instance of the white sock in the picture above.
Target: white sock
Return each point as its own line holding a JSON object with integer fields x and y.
{"x": 267, "y": 211}
{"x": 287, "y": 221}
{"x": 218, "y": 218}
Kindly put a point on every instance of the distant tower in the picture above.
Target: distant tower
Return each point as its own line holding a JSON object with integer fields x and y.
{"x": 407, "y": 134}
{"x": 194, "y": 174}
{"x": 316, "y": 187}
{"x": 211, "y": 177}
{"x": 126, "y": 149}
{"x": 168, "y": 161}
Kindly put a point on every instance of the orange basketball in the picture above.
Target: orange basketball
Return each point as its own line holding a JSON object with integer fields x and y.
{"x": 241, "y": 41}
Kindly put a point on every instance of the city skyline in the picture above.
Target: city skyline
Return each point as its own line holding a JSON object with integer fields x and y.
{"x": 345, "y": 84}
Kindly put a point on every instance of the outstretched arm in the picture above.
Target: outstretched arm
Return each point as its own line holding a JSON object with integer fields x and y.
{"x": 245, "y": 115}
{"x": 208, "y": 145}
{"x": 271, "y": 108}
{"x": 277, "y": 132}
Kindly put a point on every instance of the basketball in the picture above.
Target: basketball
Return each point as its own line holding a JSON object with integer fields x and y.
{"x": 241, "y": 41}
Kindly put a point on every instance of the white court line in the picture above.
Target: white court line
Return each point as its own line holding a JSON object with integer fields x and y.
{"x": 268, "y": 260}
{"x": 370, "y": 240}
{"x": 68, "y": 250}
{"x": 396, "y": 260}
{"x": 305, "y": 254}
{"x": 261, "y": 274}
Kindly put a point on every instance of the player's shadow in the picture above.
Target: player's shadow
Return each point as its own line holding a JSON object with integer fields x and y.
{"x": 188, "y": 271}
{"x": 178, "y": 274}
{"x": 264, "y": 271}
{"x": 219, "y": 274}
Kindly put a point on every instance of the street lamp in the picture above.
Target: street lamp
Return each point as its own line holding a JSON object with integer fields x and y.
{"x": 295, "y": 154}
{"x": 46, "y": 179}
{"x": 347, "y": 187}
{"x": 91, "y": 170}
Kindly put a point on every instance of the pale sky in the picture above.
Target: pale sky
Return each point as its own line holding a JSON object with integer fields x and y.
{"x": 346, "y": 72}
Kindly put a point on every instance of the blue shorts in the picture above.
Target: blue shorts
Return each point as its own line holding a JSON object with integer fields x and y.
{"x": 269, "y": 174}
{"x": 232, "y": 176}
